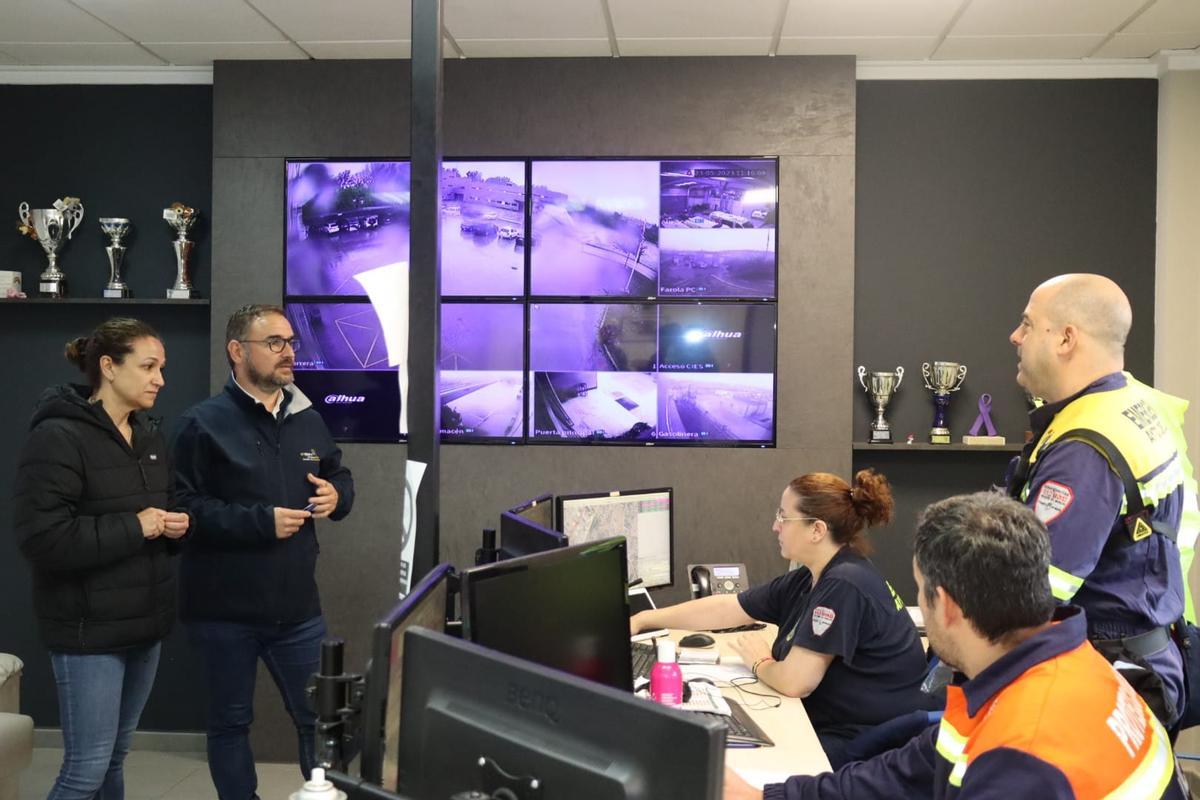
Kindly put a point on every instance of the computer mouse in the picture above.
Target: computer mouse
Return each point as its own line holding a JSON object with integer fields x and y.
{"x": 697, "y": 640}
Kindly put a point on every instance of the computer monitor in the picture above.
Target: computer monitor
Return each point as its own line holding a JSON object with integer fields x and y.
{"x": 424, "y": 607}
{"x": 643, "y": 516}
{"x": 578, "y": 739}
{"x": 538, "y": 510}
{"x": 565, "y": 608}
{"x": 521, "y": 535}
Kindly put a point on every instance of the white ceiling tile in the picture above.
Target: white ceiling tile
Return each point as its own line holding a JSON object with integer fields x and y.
{"x": 1015, "y": 47}
{"x": 1145, "y": 45}
{"x": 534, "y": 48}
{"x": 841, "y": 18}
{"x": 892, "y": 48}
{"x": 1168, "y": 16}
{"x": 745, "y": 46}
{"x": 80, "y": 54}
{"x": 1043, "y": 17}
{"x": 184, "y": 20}
{"x": 344, "y": 21}
{"x": 198, "y": 54}
{"x": 51, "y": 21}
{"x": 332, "y": 50}
{"x": 527, "y": 19}
{"x": 694, "y": 19}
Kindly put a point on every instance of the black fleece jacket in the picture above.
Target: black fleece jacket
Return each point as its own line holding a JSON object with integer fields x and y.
{"x": 234, "y": 463}
{"x": 98, "y": 585}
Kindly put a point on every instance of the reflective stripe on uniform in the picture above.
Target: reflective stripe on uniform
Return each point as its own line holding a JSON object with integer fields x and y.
{"x": 952, "y": 745}
{"x": 1151, "y": 777}
{"x": 1063, "y": 585}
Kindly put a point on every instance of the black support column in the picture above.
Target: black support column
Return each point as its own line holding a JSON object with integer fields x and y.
{"x": 424, "y": 286}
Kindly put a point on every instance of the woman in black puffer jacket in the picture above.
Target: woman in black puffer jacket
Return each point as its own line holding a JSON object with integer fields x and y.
{"x": 90, "y": 512}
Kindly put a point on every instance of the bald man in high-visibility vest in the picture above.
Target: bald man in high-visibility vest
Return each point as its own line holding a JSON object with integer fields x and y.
{"x": 1107, "y": 472}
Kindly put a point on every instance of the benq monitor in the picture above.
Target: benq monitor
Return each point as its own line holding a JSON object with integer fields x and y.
{"x": 643, "y": 516}
{"x": 464, "y": 704}
{"x": 424, "y": 607}
{"x": 566, "y": 608}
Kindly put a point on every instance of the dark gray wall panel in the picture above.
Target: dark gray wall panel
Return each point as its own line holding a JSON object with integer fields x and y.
{"x": 247, "y": 246}
{"x": 970, "y": 193}
{"x": 801, "y": 109}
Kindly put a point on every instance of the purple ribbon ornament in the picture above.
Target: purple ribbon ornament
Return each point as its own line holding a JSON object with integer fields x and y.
{"x": 984, "y": 419}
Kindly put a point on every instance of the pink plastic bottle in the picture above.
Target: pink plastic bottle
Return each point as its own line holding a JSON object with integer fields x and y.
{"x": 666, "y": 679}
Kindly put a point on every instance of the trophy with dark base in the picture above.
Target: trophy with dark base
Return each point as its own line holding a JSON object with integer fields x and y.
{"x": 181, "y": 218}
{"x": 880, "y": 388}
{"x": 942, "y": 379}
{"x": 51, "y": 228}
{"x": 115, "y": 228}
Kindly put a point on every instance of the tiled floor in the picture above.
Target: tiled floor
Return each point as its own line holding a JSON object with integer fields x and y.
{"x": 151, "y": 775}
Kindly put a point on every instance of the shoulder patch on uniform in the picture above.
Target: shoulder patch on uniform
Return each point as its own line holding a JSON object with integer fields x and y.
{"x": 1053, "y": 499}
{"x": 822, "y": 618}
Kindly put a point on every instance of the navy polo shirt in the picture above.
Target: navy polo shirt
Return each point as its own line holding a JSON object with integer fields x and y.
{"x": 850, "y": 614}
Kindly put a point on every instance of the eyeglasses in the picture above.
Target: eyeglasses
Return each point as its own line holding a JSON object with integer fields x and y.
{"x": 779, "y": 517}
{"x": 275, "y": 343}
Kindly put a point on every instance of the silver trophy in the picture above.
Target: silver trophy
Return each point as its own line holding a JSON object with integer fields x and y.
{"x": 942, "y": 379}
{"x": 181, "y": 218}
{"x": 115, "y": 228}
{"x": 880, "y": 390}
{"x": 51, "y": 227}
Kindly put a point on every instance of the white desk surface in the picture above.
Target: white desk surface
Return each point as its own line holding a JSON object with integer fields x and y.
{"x": 797, "y": 750}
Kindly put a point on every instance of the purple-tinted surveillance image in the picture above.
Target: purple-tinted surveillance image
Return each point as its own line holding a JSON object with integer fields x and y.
{"x": 705, "y": 195}
{"x": 725, "y": 262}
{"x": 338, "y": 336}
{"x": 595, "y": 228}
{"x": 716, "y": 408}
{"x": 479, "y": 404}
{"x": 343, "y": 218}
{"x": 482, "y": 384}
{"x": 483, "y": 228}
{"x": 595, "y": 337}
{"x": 597, "y": 406}
{"x": 713, "y": 337}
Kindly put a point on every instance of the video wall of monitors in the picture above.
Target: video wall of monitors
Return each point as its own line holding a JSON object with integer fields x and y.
{"x": 584, "y": 300}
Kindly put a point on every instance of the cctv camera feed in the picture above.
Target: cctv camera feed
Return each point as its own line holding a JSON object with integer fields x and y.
{"x": 595, "y": 229}
{"x": 342, "y": 366}
{"x": 345, "y": 218}
{"x": 481, "y": 371}
{"x": 483, "y": 228}
{"x": 717, "y": 236}
{"x": 647, "y": 373}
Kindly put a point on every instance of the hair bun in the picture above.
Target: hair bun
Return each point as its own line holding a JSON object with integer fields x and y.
{"x": 76, "y": 351}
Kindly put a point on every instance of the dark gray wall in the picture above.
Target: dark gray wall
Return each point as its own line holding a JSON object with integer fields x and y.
{"x": 970, "y": 194}
{"x": 801, "y": 109}
{"x": 125, "y": 151}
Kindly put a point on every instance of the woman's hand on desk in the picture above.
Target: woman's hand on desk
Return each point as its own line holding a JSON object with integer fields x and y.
{"x": 751, "y": 647}
{"x": 738, "y": 789}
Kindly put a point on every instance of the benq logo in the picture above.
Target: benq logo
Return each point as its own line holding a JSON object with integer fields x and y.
{"x": 533, "y": 701}
{"x": 343, "y": 399}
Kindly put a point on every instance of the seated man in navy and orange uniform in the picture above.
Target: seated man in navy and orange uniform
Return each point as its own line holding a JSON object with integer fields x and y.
{"x": 1035, "y": 712}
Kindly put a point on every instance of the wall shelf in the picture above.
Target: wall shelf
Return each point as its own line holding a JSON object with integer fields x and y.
{"x": 900, "y": 447}
{"x": 116, "y": 301}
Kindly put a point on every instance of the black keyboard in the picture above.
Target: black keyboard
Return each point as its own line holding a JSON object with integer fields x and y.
{"x": 644, "y": 657}
{"x": 740, "y": 730}
{"x": 750, "y": 626}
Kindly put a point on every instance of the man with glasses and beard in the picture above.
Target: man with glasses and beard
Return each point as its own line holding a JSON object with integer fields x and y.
{"x": 254, "y": 466}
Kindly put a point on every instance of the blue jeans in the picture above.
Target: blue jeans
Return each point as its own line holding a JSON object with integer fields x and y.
{"x": 100, "y": 699}
{"x": 230, "y": 651}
